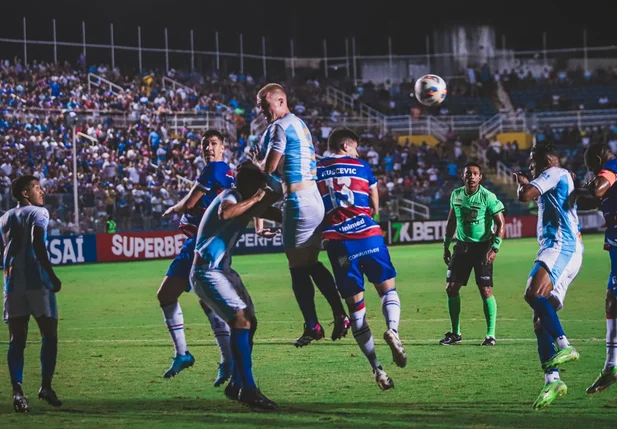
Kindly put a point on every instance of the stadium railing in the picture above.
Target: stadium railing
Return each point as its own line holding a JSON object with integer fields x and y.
{"x": 100, "y": 82}
{"x": 338, "y": 97}
{"x": 504, "y": 173}
{"x": 578, "y": 118}
{"x": 503, "y": 123}
{"x": 175, "y": 85}
{"x": 408, "y": 209}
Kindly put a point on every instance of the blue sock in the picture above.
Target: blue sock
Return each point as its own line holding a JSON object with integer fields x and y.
{"x": 326, "y": 285}
{"x": 548, "y": 317}
{"x": 305, "y": 294}
{"x": 236, "y": 379}
{"x": 241, "y": 350}
{"x": 49, "y": 354}
{"x": 546, "y": 349}
{"x": 15, "y": 359}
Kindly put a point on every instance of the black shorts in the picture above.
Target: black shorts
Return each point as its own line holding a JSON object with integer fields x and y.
{"x": 468, "y": 256}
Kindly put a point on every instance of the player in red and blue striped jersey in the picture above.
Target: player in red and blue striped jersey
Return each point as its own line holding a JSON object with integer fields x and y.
{"x": 601, "y": 161}
{"x": 215, "y": 177}
{"x": 356, "y": 247}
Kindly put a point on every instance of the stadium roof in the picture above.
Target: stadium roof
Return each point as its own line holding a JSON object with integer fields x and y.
{"x": 408, "y": 22}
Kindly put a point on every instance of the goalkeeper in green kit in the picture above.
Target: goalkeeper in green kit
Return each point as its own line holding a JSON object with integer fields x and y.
{"x": 476, "y": 215}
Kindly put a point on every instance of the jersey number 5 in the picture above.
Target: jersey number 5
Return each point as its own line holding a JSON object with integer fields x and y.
{"x": 340, "y": 193}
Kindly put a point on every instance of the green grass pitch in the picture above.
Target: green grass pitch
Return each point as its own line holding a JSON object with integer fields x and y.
{"x": 114, "y": 349}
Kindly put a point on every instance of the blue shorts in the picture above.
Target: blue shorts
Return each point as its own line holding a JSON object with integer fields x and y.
{"x": 612, "y": 279}
{"x": 181, "y": 265}
{"x": 353, "y": 259}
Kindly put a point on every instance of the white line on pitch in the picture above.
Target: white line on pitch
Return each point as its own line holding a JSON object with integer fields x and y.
{"x": 290, "y": 341}
{"x": 265, "y": 322}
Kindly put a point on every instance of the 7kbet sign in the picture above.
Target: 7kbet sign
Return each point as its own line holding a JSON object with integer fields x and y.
{"x": 435, "y": 230}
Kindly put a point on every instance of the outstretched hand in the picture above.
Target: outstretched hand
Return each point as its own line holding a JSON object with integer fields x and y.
{"x": 520, "y": 178}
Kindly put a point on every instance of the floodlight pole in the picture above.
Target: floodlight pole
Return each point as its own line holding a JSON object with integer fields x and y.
{"x": 75, "y": 198}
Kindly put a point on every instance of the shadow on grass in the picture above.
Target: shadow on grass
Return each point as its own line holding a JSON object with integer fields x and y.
{"x": 222, "y": 413}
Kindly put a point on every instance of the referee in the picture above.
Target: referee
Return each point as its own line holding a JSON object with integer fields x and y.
{"x": 474, "y": 210}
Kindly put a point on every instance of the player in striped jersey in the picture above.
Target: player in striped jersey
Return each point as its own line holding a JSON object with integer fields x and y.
{"x": 601, "y": 161}
{"x": 289, "y": 162}
{"x": 30, "y": 287}
{"x": 215, "y": 177}
{"x": 356, "y": 246}
{"x": 556, "y": 265}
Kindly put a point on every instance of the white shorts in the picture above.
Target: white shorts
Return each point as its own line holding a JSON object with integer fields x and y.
{"x": 302, "y": 217}
{"x": 562, "y": 268}
{"x": 222, "y": 290}
{"x": 33, "y": 302}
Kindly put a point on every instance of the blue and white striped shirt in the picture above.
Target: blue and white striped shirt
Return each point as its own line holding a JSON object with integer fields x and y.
{"x": 291, "y": 137}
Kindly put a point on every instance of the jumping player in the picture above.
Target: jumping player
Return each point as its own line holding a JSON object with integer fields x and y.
{"x": 474, "y": 210}
{"x": 356, "y": 246}
{"x": 215, "y": 177}
{"x": 556, "y": 265}
{"x": 220, "y": 287}
{"x": 30, "y": 287}
{"x": 288, "y": 141}
{"x": 601, "y": 161}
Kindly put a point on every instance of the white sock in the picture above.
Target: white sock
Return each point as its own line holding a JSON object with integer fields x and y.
{"x": 562, "y": 342}
{"x": 221, "y": 332}
{"x": 174, "y": 319}
{"x": 362, "y": 334}
{"x": 549, "y": 377}
{"x": 611, "y": 344}
{"x": 391, "y": 308}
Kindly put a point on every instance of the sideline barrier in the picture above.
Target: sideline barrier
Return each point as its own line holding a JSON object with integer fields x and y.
{"x": 141, "y": 246}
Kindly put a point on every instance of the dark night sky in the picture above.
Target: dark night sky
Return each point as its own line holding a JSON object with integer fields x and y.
{"x": 408, "y": 22}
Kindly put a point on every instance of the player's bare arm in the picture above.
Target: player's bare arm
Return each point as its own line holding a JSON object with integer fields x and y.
{"x": 188, "y": 202}
{"x": 526, "y": 192}
{"x": 374, "y": 201}
{"x": 229, "y": 210}
{"x": 500, "y": 232}
{"x": 450, "y": 231}
{"x": 40, "y": 251}
{"x": 600, "y": 185}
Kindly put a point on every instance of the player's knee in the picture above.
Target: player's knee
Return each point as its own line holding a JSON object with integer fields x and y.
{"x": 485, "y": 291}
{"x": 241, "y": 321}
{"x": 453, "y": 289}
{"x": 611, "y": 302}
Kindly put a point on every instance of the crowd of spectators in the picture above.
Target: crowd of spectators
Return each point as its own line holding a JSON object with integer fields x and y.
{"x": 132, "y": 171}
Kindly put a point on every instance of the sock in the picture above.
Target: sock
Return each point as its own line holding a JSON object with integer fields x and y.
{"x": 326, "y": 285}
{"x": 490, "y": 313}
{"x": 362, "y": 333}
{"x": 305, "y": 295}
{"x": 549, "y": 319}
{"x": 236, "y": 378}
{"x": 174, "y": 319}
{"x": 15, "y": 360}
{"x": 49, "y": 354}
{"x": 241, "y": 349}
{"x": 221, "y": 332}
{"x": 611, "y": 342}
{"x": 546, "y": 350}
{"x": 391, "y": 308}
{"x": 551, "y": 375}
{"x": 454, "y": 308}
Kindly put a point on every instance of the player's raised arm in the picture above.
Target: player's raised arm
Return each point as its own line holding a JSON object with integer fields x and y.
{"x": 188, "y": 202}
{"x": 450, "y": 231}
{"x": 230, "y": 210}
{"x": 40, "y": 251}
{"x": 525, "y": 191}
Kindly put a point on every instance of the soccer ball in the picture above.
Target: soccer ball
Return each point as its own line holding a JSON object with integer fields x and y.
{"x": 430, "y": 90}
